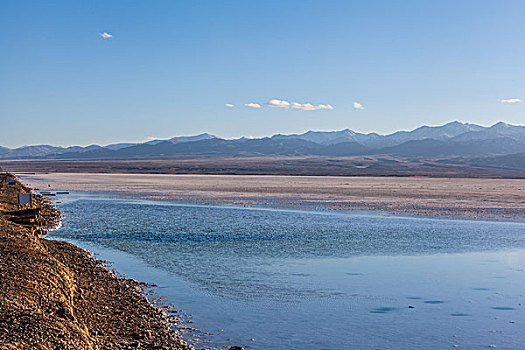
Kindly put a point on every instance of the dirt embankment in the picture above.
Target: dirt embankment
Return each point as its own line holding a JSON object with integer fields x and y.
{"x": 54, "y": 295}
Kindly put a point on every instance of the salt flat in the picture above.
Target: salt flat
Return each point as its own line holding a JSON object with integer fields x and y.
{"x": 456, "y": 197}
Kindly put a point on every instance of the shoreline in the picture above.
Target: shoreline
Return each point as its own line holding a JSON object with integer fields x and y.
{"x": 435, "y": 213}
{"x": 300, "y": 208}
{"x": 475, "y": 199}
{"x": 57, "y": 295}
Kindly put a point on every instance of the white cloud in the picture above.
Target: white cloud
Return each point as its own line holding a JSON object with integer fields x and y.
{"x": 252, "y": 105}
{"x": 309, "y": 106}
{"x": 298, "y": 106}
{"x": 278, "y": 103}
{"x": 511, "y": 100}
{"x": 105, "y": 35}
{"x": 357, "y": 105}
{"x": 229, "y": 105}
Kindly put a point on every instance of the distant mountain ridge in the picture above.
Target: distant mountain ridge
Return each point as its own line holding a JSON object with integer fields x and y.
{"x": 374, "y": 140}
{"x": 178, "y": 139}
{"x": 203, "y": 136}
{"x": 321, "y": 137}
{"x": 451, "y": 139}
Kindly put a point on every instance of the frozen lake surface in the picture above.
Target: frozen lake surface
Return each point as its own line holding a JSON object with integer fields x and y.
{"x": 278, "y": 279}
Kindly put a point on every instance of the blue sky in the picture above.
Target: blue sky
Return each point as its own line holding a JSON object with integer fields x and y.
{"x": 171, "y": 66}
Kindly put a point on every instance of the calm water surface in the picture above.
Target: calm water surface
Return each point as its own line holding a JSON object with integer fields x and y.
{"x": 271, "y": 279}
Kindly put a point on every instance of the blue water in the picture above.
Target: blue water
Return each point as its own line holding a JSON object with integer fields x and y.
{"x": 277, "y": 279}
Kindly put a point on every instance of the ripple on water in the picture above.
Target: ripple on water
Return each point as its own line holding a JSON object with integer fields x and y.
{"x": 383, "y": 310}
{"x": 300, "y": 274}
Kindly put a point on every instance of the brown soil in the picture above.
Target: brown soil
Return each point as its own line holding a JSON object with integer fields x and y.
{"x": 274, "y": 165}
{"x": 54, "y": 295}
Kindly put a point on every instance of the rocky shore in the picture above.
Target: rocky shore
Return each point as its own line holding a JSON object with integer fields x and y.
{"x": 54, "y": 295}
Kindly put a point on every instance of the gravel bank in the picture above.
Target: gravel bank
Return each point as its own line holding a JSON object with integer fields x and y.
{"x": 54, "y": 295}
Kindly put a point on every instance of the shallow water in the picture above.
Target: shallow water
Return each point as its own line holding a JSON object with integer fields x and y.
{"x": 306, "y": 280}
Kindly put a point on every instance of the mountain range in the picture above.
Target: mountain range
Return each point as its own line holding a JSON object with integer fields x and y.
{"x": 453, "y": 139}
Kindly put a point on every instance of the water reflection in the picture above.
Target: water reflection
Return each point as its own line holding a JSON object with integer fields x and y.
{"x": 300, "y": 280}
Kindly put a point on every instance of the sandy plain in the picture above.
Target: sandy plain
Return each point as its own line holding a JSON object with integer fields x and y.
{"x": 499, "y": 199}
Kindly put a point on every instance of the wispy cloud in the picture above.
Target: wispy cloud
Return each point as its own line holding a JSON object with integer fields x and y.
{"x": 511, "y": 100}
{"x": 229, "y": 105}
{"x": 357, "y": 105}
{"x": 252, "y": 105}
{"x": 309, "y": 106}
{"x": 106, "y": 35}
